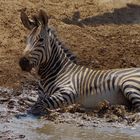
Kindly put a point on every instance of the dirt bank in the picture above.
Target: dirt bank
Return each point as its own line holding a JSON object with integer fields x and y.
{"x": 103, "y": 34}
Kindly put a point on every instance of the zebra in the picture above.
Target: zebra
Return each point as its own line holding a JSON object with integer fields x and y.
{"x": 63, "y": 82}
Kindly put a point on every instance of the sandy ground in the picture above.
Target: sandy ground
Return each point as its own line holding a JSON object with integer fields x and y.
{"x": 104, "y": 34}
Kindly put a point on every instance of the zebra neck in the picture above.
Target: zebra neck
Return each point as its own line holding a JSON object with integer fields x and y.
{"x": 51, "y": 74}
{"x": 58, "y": 63}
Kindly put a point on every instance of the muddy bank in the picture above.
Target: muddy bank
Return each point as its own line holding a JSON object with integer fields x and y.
{"x": 14, "y": 102}
{"x": 17, "y": 124}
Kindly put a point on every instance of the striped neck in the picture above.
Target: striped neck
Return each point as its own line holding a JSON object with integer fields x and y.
{"x": 58, "y": 62}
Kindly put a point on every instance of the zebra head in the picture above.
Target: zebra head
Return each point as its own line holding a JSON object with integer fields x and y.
{"x": 37, "y": 49}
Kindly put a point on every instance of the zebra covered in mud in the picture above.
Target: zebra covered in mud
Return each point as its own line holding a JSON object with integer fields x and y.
{"x": 63, "y": 82}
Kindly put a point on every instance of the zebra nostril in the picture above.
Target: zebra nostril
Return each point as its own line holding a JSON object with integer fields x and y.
{"x": 25, "y": 64}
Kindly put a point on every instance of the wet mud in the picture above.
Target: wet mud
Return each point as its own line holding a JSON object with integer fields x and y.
{"x": 15, "y": 120}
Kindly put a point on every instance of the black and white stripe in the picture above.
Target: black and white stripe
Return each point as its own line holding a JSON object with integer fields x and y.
{"x": 62, "y": 82}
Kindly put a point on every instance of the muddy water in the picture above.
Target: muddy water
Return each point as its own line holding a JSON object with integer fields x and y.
{"x": 65, "y": 126}
{"x": 38, "y": 129}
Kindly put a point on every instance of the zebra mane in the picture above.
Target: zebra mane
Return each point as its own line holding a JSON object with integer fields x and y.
{"x": 66, "y": 50}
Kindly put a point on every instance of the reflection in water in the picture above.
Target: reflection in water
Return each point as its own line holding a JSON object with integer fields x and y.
{"x": 39, "y": 129}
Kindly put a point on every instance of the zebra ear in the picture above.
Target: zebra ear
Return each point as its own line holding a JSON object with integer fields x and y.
{"x": 43, "y": 17}
{"x": 36, "y": 20}
{"x": 29, "y": 24}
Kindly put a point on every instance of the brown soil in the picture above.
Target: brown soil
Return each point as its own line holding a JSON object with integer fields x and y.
{"x": 103, "y": 34}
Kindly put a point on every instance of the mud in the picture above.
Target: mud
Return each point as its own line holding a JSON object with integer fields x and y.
{"x": 16, "y": 123}
{"x": 104, "y": 34}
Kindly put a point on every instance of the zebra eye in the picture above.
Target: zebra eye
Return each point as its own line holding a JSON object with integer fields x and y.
{"x": 40, "y": 39}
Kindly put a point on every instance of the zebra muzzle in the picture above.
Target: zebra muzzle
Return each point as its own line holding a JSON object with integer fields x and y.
{"x": 25, "y": 65}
